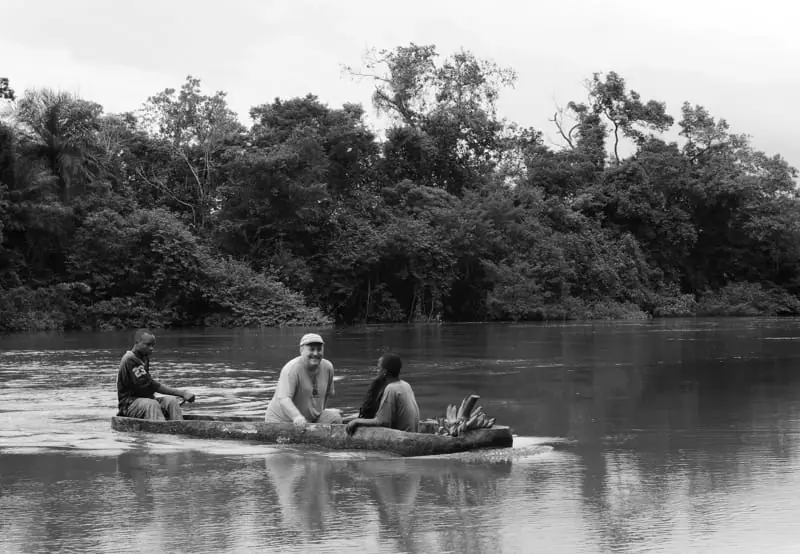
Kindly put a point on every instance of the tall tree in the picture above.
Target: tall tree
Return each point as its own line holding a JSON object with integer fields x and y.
{"x": 447, "y": 133}
{"x": 196, "y": 129}
{"x": 59, "y": 131}
{"x": 745, "y": 204}
{"x": 306, "y": 165}
{"x": 610, "y": 102}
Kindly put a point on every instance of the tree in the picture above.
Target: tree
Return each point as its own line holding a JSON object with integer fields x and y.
{"x": 58, "y": 130}
{"x": 624, "y": 110}
{"x": 6, "y": 92}
{"x": 649, "y": 196}
{"x": 196, "y": 129}
{"x": 347, "y": 147}
{"x": 446, "y": 130}
{"x": 745, "y": 205}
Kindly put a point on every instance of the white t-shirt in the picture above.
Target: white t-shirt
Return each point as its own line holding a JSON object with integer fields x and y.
{"x": 297, "y": 383}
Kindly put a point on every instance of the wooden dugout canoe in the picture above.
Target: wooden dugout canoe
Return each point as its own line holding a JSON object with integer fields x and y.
{"x": 402, "y": 443}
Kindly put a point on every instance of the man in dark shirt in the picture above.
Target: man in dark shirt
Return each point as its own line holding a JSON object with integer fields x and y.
{"x": 135, "y": 386}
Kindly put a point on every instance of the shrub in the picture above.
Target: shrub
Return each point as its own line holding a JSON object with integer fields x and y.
{"x": 42, "y": 309}
{"x": 748, "y": 299}
{"x": 669, "y": 302}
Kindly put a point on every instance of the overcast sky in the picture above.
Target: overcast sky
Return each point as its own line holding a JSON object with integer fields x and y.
{"x": 740, "y": 59}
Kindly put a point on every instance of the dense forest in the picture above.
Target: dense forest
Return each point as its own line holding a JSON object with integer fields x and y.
{"x": 176, "y": 214}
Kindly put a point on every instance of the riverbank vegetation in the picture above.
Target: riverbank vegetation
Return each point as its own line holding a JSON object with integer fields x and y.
{"x": 176, "y": 214}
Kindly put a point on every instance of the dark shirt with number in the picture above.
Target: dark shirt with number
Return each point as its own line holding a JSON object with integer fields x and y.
{"x": 134, "y": 381}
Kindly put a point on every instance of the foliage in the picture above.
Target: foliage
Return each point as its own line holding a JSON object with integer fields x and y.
{"x": 235, "y": 295}
{"x": 179, "y": 215}
{"x": 748, "y": 299}
{"x": 39, "y": 309}
{"x": 196, "y": 130}
{"x": 145, "y": 268}
{"x": 6, "y": 92}
{"x": 670, "y": 302}
{"x": 446, "y": 131}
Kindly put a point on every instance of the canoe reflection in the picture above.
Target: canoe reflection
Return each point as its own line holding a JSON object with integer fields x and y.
{"x": 318, "y": 493}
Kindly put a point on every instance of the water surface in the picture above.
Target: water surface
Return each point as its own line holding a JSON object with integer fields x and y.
{"x": 664, "y": 436}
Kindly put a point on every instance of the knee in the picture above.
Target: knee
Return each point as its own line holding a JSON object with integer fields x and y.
{"x": 171, "y": 402}
{"x": 152, "y": 409}
{"x": 171, "y": 407}
{"x": 331, "y": 415}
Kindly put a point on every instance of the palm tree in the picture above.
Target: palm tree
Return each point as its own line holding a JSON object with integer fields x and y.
{"x": 58, "y": 132}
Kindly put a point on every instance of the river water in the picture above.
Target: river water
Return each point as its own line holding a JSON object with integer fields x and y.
{"x": 661, "y": 436}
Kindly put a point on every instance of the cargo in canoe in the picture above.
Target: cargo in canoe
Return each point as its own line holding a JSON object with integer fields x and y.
{"x": 402, "y": 443}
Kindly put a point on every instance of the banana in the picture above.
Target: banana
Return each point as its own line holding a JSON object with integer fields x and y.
{"x": 456, "y": 421}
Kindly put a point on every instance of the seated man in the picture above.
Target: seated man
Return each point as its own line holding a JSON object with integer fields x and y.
{"x": 398, "y": 406}
{"x": 304, "y": 386}
{"x": 135, "y": 387}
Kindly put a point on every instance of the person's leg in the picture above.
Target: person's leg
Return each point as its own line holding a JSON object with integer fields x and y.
{"x": 145, "y": 408}
{"x": 171, "y": 407}
{"x": 330, "y": 415}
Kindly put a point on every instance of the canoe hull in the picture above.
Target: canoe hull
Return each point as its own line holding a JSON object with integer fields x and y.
{"x": 327, "y": 436}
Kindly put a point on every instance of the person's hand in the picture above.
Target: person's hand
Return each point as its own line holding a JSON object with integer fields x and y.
{"x": 351, "y": 427}
{"x": 187, "y": 396}
{"x": 300, "y": 422}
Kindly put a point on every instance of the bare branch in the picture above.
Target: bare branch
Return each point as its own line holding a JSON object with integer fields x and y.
{"x": 369, "y": 76}
{"x": 558, "y": 123}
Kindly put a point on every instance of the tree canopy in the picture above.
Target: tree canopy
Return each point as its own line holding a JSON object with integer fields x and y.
{"x": 178, "y": 214}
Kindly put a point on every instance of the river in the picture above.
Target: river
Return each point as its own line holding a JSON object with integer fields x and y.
{"x": 659, "y": 436}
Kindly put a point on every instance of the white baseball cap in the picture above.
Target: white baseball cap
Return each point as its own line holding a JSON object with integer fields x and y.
{"x": 311, "y": 338}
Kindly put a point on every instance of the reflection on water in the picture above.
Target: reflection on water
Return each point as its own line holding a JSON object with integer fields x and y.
{"x": 284, "y": 501}
{"x": 664, "y": 437}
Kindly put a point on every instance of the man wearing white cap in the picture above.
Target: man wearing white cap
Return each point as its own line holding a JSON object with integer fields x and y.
{"x": 304, "y": 386}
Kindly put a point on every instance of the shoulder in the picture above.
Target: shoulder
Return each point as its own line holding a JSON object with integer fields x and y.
{"x": 129, "y": 359}
{"x": 291, "y": 366}
{"x": 395, "y": 386}
{"x": 404, "y": 386}
{"x": 327, "y": 365}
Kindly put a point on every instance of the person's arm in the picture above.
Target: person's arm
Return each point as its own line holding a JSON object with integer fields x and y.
{"x": 287, "y": 386}
{"x": 330, "y": 390}
{"x": 349, "y": 418}
{"x": 163, "y": 389}
{"x": 289, "y": 407}
{"x": 361, "y": 422}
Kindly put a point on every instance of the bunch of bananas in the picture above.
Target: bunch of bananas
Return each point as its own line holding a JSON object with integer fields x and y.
{"x": 457, "y": 421}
